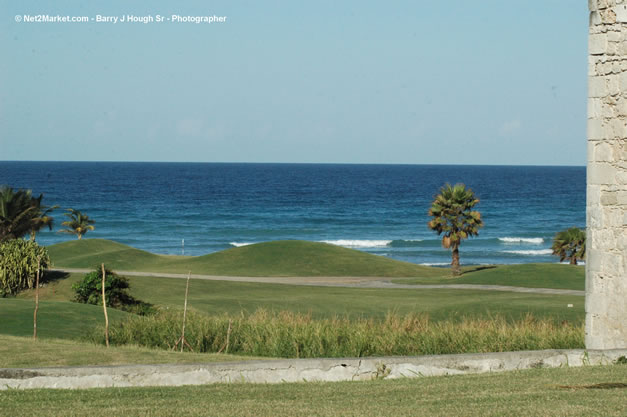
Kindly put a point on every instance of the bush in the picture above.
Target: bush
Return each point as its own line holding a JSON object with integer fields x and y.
{"x": 18, "y": 265}
{"x": 89, "y": 291}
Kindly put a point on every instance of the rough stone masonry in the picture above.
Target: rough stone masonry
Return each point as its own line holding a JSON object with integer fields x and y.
{"x": 606, "y": 262}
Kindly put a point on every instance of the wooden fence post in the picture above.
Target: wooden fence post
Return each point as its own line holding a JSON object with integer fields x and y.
{"x": 185, "y": 311}
{"x": 182, "y": 340}
{"x": 104, "y": 306}
{"x": 36, "y": 299}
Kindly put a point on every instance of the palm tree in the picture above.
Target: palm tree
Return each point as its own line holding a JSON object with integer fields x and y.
{"x": 570, "y": 244}
{"x": 15, "y": 212}
{"x": 21, "y": 213}
{"x": 40, "y": 216}
{"x": 79, "y": 223}
{"x": 454, "y": 218}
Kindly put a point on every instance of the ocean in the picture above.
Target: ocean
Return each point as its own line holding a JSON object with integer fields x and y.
{"x": 199, "y": 208}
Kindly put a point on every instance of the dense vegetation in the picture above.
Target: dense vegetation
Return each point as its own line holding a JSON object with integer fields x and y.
{"x": 293, "y": 335}
{"x": 19, "y": 262}
{"x": 89, "y": 291}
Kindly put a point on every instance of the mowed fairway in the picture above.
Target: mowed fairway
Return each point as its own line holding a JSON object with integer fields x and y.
{"x": 232, "y": 297}
{"x": 217, "y": 297}
{"x": 307, "y": 259}
{"x": 587, "y": 391}
{"x": 298, "y": 259}
{"x": 557, "y": 276}
{"x": 59, "y": 317}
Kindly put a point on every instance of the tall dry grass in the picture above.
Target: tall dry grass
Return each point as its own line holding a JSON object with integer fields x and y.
{"x": 294, "y": 335}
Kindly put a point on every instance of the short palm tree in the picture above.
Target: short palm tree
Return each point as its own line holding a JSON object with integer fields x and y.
{"x": 79, "y": 223}
{"x": 21, "y": 213}
{"x": 40, "y": 217}
{"x": 454, "y": 218}
{"x": 570, "y": 244}
{"x": 15, "y": 213}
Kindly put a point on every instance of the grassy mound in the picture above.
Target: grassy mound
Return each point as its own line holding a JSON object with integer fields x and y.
{"x": 301, "y": 258}
{"x": 279, "y": 258}
{"x": 87, "y": 253}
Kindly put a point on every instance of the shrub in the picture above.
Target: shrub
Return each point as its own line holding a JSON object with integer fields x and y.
{"x": 89, "y": 291}
{"x": 18, "y": 265}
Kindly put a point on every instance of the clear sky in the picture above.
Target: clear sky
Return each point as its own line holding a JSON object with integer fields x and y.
{"x": 417, "y": 82}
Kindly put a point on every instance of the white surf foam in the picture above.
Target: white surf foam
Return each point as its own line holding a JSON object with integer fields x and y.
{"x": 240, "y": 244}
{"x": 530, "y": 252}
{"x": 356, "y": 243}
{"x": 534, "y": 240}
{"x": 435, "y": 263}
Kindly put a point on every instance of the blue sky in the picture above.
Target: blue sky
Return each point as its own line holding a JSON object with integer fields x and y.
{"x": 417, "y": 82}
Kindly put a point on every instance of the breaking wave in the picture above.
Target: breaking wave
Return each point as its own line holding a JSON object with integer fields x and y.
{"x": 240, "y": 244}
{"x": 356, "y": 243}
{"x": 534, "y": 240}
{"x": 530, "y": 252}
{"x": 400, "y": 243}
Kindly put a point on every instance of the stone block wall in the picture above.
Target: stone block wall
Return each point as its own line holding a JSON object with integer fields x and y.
{"x": 606, "y": 263}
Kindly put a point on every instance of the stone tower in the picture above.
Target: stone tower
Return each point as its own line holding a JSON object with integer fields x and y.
{"x": 606, "y": 263}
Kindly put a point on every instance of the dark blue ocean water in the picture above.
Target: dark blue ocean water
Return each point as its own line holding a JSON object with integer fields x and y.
{"x": 380, "y": 209}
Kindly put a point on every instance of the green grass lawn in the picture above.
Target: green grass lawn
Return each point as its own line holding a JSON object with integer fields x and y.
{"x": 525, "y": 275}
{"x": 222, "y": 296}
{"x": 217, "y": 297}
{"x": 536, "y": 392}
{"x": 62, "y": 352}
{"x": 278, "y": 258}
{"x": 55, "y": 319}
{"x": 299, "y": 258}
{"x": 61, "y": 318}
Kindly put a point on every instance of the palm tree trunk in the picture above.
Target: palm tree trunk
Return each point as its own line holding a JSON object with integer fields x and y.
{"x": 573, "y": 260}
{"x": 455, "y": 263}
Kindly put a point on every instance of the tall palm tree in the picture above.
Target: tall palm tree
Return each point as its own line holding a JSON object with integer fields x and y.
{"x": 79, "y": 223}
{"x": 570, "y": 244}
{"x": 454, "y": 218}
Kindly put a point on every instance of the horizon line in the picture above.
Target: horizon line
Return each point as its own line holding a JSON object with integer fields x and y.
{"x": 291, "y": 163}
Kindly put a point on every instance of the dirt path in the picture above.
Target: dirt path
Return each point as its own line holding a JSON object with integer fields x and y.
{"x": 348, "y": 282}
